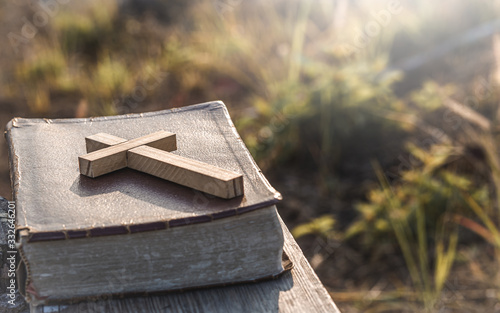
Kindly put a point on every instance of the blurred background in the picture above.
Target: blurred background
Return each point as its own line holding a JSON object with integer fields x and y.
{"x": 378, "y": 121}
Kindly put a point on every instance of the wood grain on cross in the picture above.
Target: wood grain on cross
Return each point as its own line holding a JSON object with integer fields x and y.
{"x": 151, "y": 154}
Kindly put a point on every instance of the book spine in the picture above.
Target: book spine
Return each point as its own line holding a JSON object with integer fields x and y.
{"x": 22, "y": 272}
{"x": 13, "y": 159}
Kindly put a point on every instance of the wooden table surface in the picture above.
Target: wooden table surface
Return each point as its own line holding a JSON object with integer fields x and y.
{"x": 296, "y": 291}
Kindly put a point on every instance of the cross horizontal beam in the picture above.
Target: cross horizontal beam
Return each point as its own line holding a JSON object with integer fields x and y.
{"x": 152, "y": 157}
{"x": 114, "y": 157}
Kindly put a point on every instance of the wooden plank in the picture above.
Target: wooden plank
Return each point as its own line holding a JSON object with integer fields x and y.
{"x": 296, "y": 291}
{"x": 113, "y": 158}
{"x": 187, "y": 172}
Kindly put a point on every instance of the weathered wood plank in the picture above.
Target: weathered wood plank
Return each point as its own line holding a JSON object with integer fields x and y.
{"x": 187, "y": 172}
{"x": 296, "y": 291}
{"x": 113, "y": 158}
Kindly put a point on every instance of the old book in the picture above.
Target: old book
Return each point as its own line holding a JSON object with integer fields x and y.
{"x": 128, "y": 232}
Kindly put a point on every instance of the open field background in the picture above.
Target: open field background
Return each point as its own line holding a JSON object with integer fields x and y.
{"x": 378, "y": 121}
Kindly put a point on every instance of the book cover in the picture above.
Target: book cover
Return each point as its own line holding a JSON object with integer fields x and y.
{"x": 45, "y": 175}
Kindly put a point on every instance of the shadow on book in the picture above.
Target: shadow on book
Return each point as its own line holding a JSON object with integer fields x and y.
{"x": 156, "y": 191}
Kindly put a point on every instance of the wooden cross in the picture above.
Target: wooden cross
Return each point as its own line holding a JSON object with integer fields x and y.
{"x": 151, "y": 154}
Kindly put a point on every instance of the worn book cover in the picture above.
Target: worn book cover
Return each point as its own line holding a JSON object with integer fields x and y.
{"x": 55, "y": 203}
